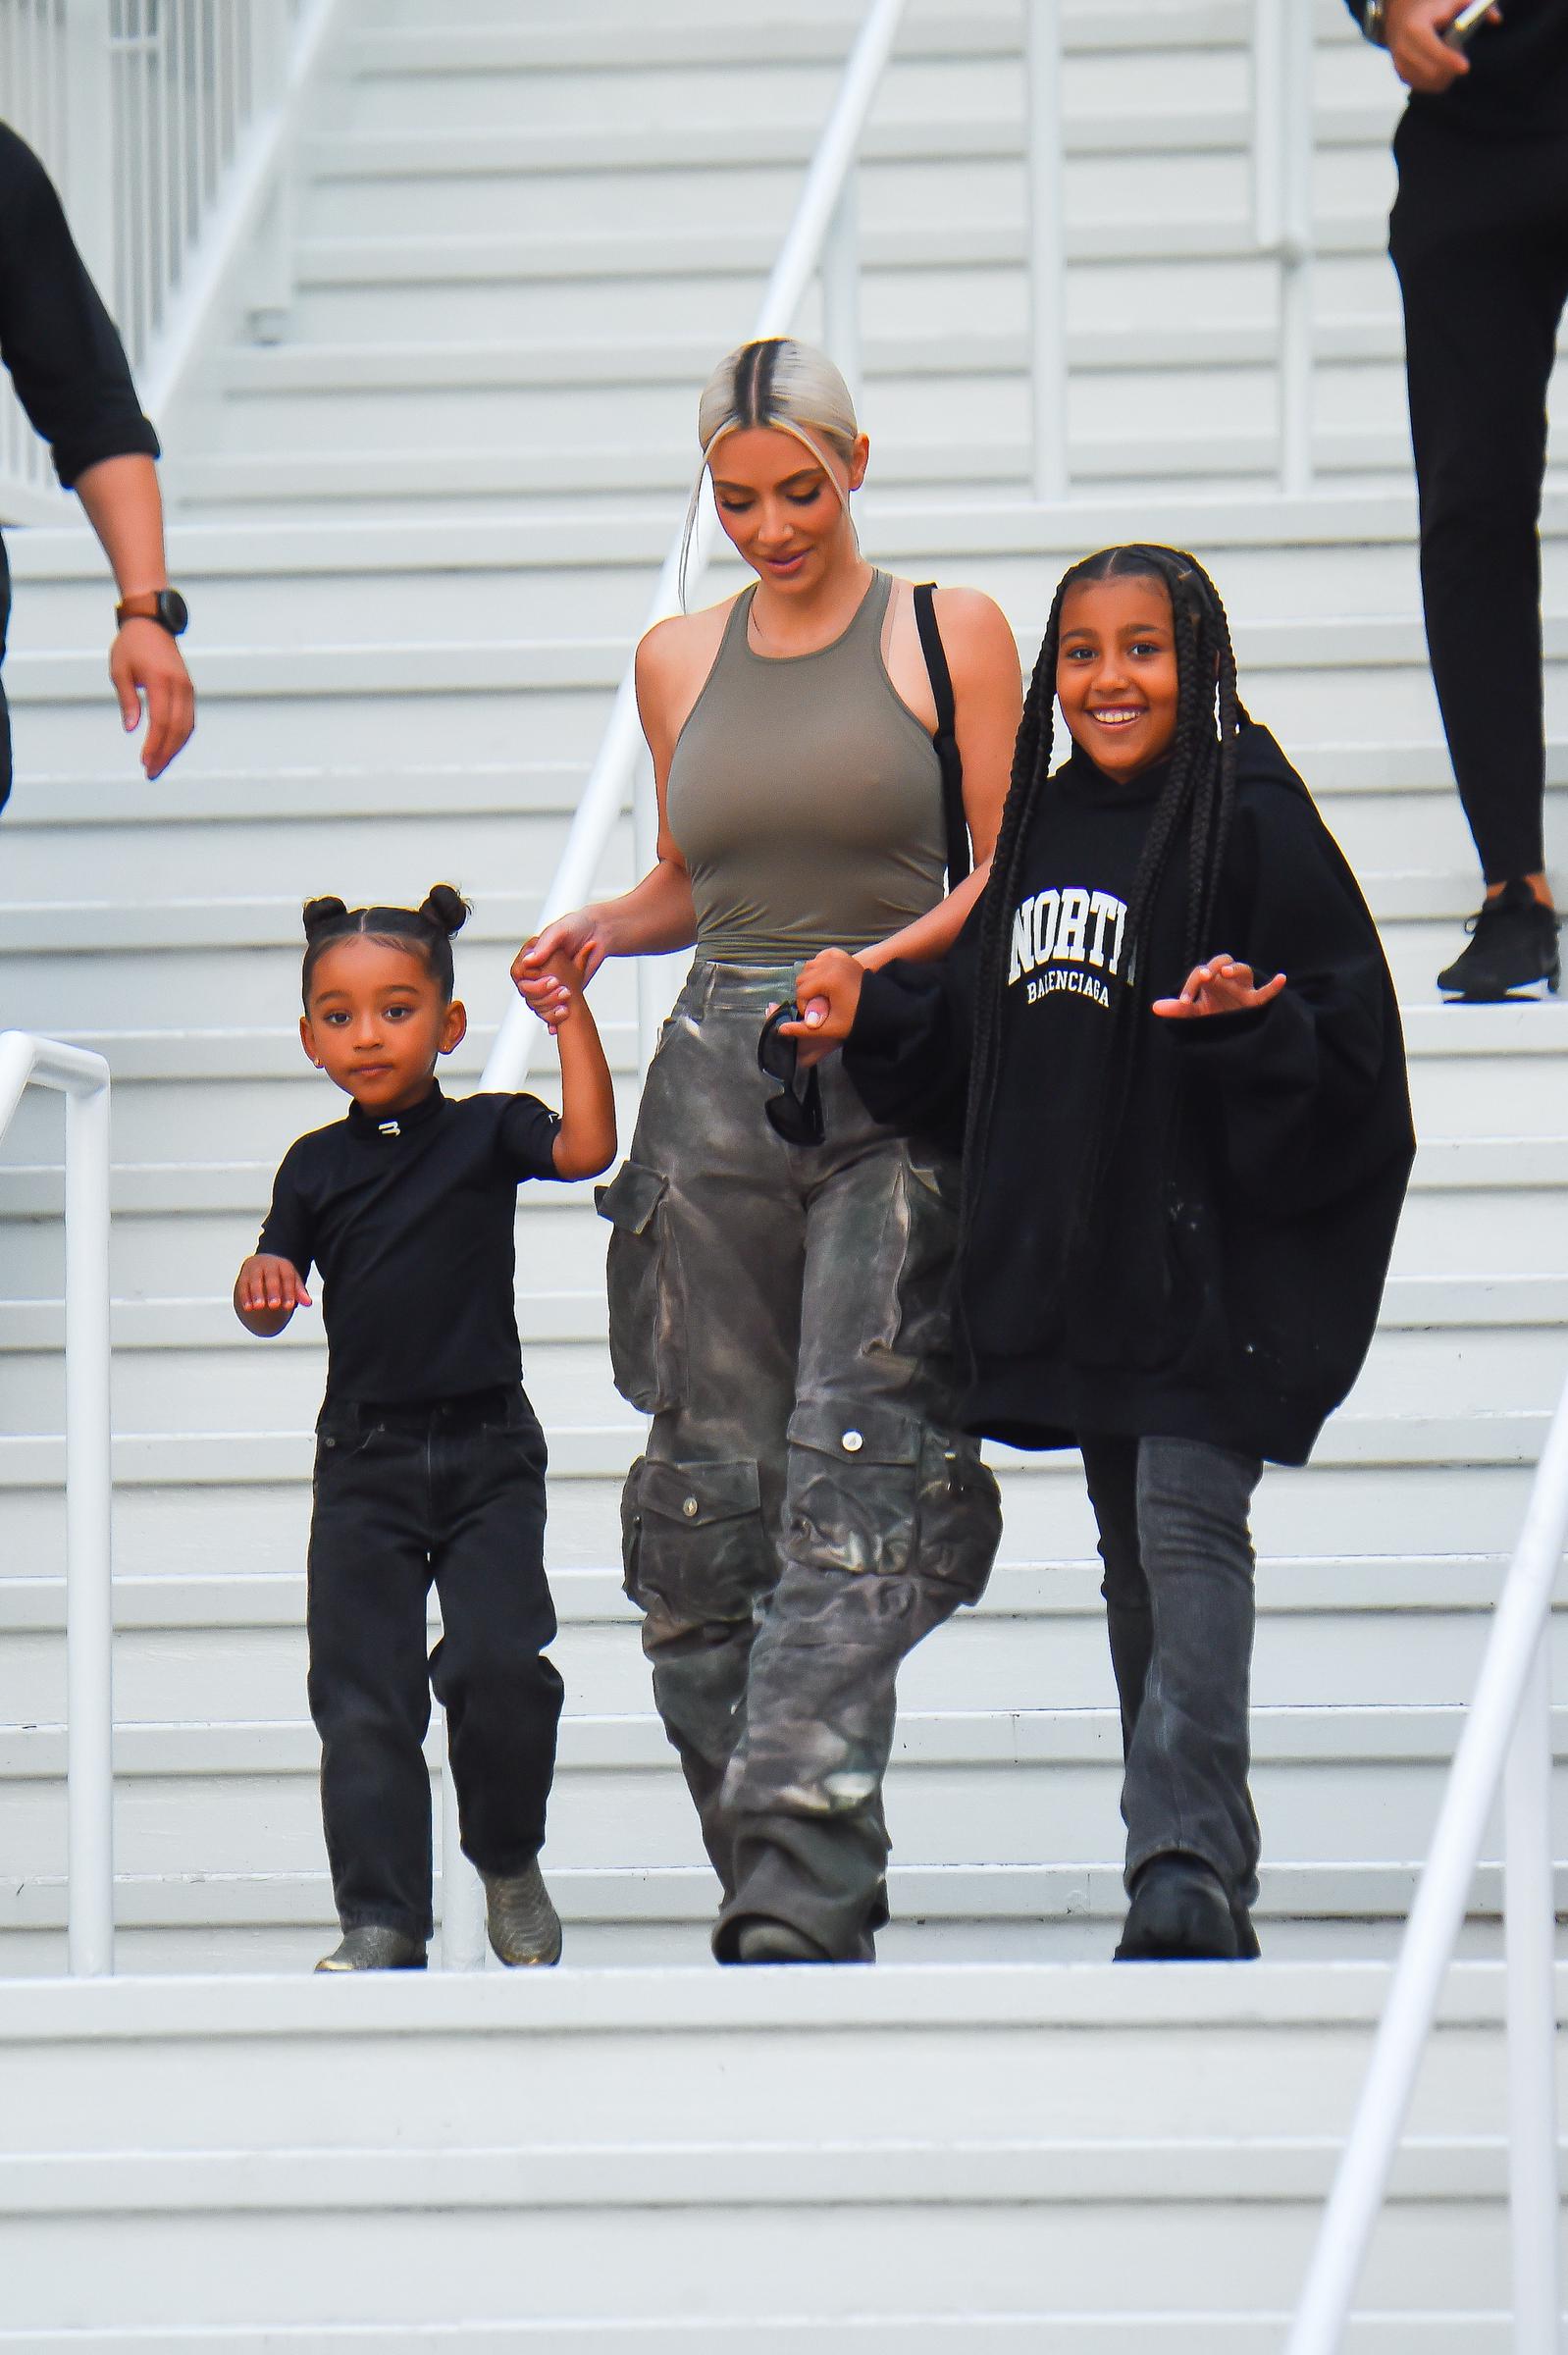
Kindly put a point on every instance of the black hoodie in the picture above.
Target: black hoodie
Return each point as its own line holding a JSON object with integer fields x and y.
{"x": 1230, "y": 1285}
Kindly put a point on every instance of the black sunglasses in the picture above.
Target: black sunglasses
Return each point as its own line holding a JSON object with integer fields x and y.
{"x": 797, "y": 1115}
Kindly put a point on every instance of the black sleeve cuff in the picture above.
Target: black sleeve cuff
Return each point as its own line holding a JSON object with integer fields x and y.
{"x": 129, "y": 435}
{"x": 882, "y": 1017}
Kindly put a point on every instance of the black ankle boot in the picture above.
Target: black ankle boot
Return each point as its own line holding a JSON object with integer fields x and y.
{"x": 1180, "y": 1913}
{"x": 1513, "y": 945}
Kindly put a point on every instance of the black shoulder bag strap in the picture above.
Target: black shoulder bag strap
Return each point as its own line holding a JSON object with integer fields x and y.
{"x": 948, "y": 757}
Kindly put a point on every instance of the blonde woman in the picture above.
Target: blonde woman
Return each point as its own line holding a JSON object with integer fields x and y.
{"x": 805, "y": 1512}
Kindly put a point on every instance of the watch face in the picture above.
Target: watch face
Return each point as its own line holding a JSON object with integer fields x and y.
{"x": 173, "y": 612}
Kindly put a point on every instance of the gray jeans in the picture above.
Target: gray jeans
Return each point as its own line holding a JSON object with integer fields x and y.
{"x": 804, "y": 1512}
{"x": 1181, "y": 1609}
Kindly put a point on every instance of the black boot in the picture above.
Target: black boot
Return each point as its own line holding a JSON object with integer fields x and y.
{"x": 763, "y": 1940}
{"x": 1180, "y": 1913}
{"x": 1513, "y": 945}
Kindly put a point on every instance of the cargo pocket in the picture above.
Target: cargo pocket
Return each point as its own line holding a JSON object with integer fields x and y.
{"x": 693, "y": 1539}
{"x": 641, "y": 1276}
{"x": 854, "y": 1477}
{"x": 959, "y": 1514}
{"x": 910, "y": 1310}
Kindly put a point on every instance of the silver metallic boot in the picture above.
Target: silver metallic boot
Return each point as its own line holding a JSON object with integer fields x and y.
{"x": 374, "y": 1946}
{"x": 524, "y": 1927}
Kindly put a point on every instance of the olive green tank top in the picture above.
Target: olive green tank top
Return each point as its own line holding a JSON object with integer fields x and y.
{"x": 805, "y": 798}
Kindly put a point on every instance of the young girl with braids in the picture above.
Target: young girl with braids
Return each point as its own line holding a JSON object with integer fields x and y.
{"x": 430, "y": 1462}
{"x": 1169, "y": 1039}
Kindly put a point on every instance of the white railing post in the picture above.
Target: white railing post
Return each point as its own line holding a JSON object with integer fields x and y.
{"x": 272, "y": 284}
{"x": 462, "y": 1895}
{"x": 841, "y": 289}
{"x": 1518, "y": 1631}
{"x": 1048, "y": 352}
{"x": 90, "y": 1569}
{"x": 1530, "y": 1941}
{"x": 84, "y": 1079}
{"x": 89, "y": 179}
{"x": 1282, "y": 141}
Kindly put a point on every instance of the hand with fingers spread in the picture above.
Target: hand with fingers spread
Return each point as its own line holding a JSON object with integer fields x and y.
{"x": 827, "y": 992}
{"x": 1222, "y": 986}
{"x": 267, "y": 1292}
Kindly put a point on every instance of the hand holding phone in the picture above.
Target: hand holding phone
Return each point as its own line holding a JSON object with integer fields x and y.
{"x": 1468, "y": 22}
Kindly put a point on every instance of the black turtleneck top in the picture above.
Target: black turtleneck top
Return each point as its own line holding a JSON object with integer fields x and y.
{"x": 411, "y": 1221}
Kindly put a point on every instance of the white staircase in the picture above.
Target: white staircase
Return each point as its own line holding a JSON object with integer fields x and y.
{"x": 418, "y": 536}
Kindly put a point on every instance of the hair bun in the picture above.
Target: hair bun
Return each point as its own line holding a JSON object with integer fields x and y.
{"x": 445, "y": 908}
{"x": 321, "y": 914}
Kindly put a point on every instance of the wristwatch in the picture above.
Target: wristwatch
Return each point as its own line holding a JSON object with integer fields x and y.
{"x": 1374, "y": 23}
{"x": 166, "y": 606}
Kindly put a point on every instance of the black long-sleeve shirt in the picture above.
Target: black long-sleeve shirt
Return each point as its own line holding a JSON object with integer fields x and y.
{"x": 1517, "y": 84}
{"x": 60, "y": 346}
{"x": 1235, "y": 1258}
{"x": 411, "y": 1221}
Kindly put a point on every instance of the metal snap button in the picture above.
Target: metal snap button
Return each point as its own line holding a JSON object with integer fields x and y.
{"x": 852, "y": 1443}
{"x": 689, "y": 1508}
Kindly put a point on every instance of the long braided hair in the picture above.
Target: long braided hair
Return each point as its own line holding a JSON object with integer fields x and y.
{"x": 1198, "y": 794}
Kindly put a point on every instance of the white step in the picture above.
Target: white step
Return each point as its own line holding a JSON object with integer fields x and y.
{"x": 1050, "y": 2115}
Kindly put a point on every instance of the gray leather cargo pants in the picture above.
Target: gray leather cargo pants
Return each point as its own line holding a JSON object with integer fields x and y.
{"x": 804, "y": 1512}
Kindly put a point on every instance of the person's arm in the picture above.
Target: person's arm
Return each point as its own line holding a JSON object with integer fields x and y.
{"x": 271, "y": 1283}
{"x": 121, "y": 501}
{"x": 982, "y": 659}
{"x": 906, "y": 1033}
{"x": 585, "y": 1142}
{"x": 656, "y": 915}
{"x": 72, "y": 378}
{"x": 1294, "y": 1065}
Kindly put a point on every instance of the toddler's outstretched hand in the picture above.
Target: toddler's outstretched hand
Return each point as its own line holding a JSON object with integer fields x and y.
{"x": 827, "y": 992}
{"x": 267, "y": 1292}
{"x": 1222, "y": 986}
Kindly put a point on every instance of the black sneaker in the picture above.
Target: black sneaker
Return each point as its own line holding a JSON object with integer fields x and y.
{"x": 1513, "y": 945}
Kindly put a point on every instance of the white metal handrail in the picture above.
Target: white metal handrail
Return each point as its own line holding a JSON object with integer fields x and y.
{"x": 1506, "y": 1739}
{"x": 166, "y": 124}
{"x": 84, "y": 1079}
{"x": 1282, "y": 137}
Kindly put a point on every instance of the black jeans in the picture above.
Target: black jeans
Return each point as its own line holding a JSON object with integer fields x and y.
{"x": 1479, "y": 236}
{"x": 452, "y": 1491}
{"x": 1181, "y": 1609}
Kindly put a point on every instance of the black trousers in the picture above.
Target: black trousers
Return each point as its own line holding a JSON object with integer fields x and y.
{"x": 1479, "y": 236}
{"x": 1181, "y": 1609}
{"x": 451, "y": 1493}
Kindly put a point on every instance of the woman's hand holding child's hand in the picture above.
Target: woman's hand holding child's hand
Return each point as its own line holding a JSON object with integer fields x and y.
{"x": 1222, "y": 986}
{"x": 582, "y": 941}
{"x": 827, "y": 992}
{"x": 553, "y": 994}
{"x": 267, "y": 1292}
